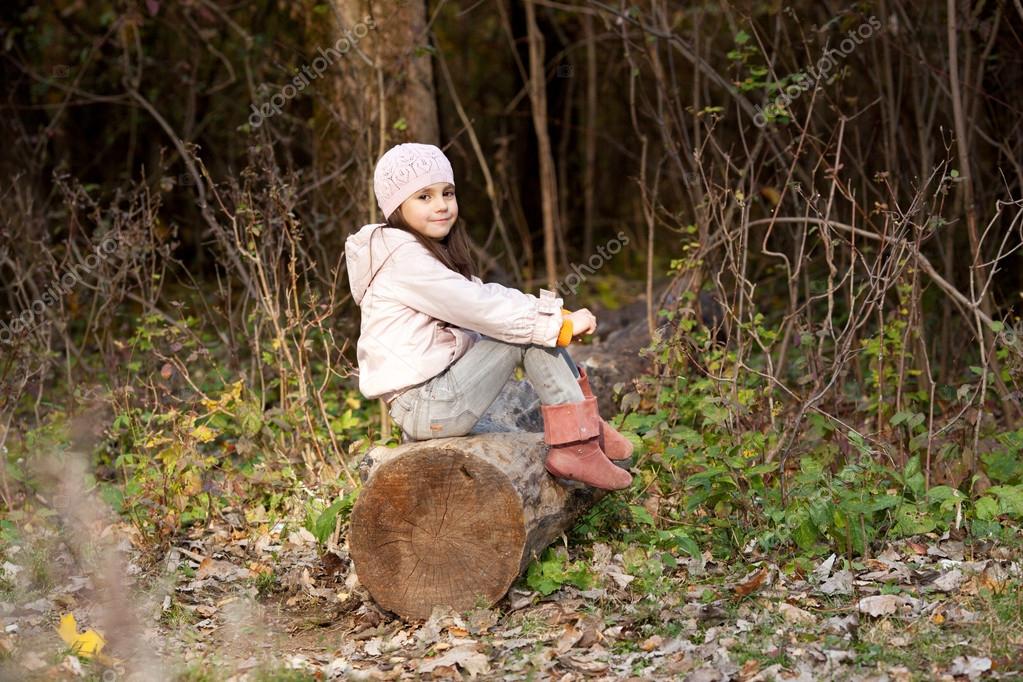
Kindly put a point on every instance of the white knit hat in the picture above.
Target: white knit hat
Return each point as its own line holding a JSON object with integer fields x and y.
{"x": 405, "y": 169}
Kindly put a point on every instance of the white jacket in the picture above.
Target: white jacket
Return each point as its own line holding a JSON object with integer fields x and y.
{"x": 419, "y": 316}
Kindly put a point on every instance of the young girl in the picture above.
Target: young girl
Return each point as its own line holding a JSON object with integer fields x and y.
{"x": 438, "y": 345}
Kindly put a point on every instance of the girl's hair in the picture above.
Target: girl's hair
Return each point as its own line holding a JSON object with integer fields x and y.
{"x": 453, "y": 250}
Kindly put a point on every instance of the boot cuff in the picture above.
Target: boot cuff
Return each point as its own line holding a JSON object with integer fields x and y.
{"x": 570, "y": 422}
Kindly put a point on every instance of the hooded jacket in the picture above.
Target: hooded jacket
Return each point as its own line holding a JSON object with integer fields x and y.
{"x": 419, "y": 316}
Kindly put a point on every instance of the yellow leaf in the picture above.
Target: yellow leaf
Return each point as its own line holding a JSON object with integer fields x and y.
{"x": 232, "y": 392}
{"x": 235, "y": 391}
{"x": 88, "y": 643}
{"x": 203, "y": 433}
{"x": 153, "y": 441}
{"x": 353, "y": 402}
{"x": 772, "y": 195}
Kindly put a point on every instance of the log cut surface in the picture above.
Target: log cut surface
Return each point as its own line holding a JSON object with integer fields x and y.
{"x": 455, "y": 521}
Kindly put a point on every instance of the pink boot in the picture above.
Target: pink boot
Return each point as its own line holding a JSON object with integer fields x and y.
{"x": 572, "y": 430}
{"x": 616, "y": 446}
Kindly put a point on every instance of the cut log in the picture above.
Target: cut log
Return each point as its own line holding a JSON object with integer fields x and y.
{"x": 454, "y": 521}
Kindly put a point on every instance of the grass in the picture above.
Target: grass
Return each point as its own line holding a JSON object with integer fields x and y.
{"x": 177, "y": 616}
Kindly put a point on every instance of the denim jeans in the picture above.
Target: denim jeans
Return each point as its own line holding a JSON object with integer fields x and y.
{"x": 452, "y": 402}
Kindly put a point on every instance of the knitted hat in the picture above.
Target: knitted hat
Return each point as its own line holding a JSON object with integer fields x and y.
{"x": 405, "y": 169}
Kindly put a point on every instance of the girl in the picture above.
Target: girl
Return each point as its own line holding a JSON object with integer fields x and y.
{"x": 438, "y": 345}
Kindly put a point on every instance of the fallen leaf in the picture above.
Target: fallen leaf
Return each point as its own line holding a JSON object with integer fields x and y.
{"x": 839, "y": 584}
{"x": 622, "y": 579}
{"x": 885, "y": 604}
{"x": 302, "y": 537}
{"x": 591, "y": 632}
{"x": 971, "y": 666}
{"x": 568, "y": 639}
{"x": 221, "y": 570}
{"x": 465, "y": 657}
{"x": 584, "y": 663}
{"x": 949, "y": 582}
{"x": 72, "y": 665}
{"x": 753, "y": 584}
{"x": 88, "y": 643}
{"x": 206, "y": 610}
{"x": 842, "y": 625}
{"x": 821, "y": 573}
{"x": 651, "y": 643}
{"x": 992, "y": 578}
{"x": 796, "y": 615}
{"x": 481, "y": 620}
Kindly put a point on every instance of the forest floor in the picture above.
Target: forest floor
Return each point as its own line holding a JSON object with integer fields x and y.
{"x": 243, "y": 601}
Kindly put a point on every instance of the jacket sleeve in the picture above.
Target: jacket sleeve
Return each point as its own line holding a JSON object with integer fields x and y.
{"x": 413, "y": 277}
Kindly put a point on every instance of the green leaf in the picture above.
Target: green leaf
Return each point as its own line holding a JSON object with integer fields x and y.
{"x": 1002, "y": 466}
{"x": 899, "y": 417}
{"x": 641, "y": 515}
{"x": 805, "y": 535}
{"x": 539, "y": 580}
{"x": 325, "y": 523}
{"x": 686, "y": 544}
{"x": 911, "y": 520}
{"x": 547, "y": 575}
{"x": 986, "y": 508}
{"x": 1010, "y": 499}
{"x": 761, "y": 469}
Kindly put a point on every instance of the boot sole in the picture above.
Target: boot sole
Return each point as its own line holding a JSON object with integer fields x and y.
{"x": 553, "y": 471}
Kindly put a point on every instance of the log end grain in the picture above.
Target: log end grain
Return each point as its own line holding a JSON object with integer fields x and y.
{"x": 437, "y": 526}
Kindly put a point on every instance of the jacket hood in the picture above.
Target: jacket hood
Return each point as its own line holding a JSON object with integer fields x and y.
{"x": 361, "y": 254}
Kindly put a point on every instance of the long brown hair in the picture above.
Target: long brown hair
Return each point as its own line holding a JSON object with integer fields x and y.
{"x": 453, "y": 250}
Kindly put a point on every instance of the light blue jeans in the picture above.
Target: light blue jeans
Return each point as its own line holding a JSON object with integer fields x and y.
{"x": 452, "y": 402}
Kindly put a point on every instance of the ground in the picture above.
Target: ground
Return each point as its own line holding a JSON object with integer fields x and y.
{"x": 240, "y": 601}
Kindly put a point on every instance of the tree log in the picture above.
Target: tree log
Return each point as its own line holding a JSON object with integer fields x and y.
{"x": 454, "y": 521}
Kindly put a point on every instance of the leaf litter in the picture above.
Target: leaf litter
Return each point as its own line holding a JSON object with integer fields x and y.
{"x": 243, "y": 602}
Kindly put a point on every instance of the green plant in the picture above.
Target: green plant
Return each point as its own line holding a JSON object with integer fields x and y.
{"x": 267, "y": 582}
{"x": 321, "y": 522}
{"x": 553, "y": 570}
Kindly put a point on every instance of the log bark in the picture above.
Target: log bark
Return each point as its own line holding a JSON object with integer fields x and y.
{"x": 455, "y": 521}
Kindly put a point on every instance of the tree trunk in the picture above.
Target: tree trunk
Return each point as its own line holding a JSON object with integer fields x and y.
{"x": 454, "y": 521}
{"x": 548, "y": 178}
{"x": 377, "y": 74}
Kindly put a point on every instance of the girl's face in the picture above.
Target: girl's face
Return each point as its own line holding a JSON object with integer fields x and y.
{"x": 432, "y": 210}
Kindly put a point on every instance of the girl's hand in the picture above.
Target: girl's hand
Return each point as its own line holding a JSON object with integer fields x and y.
{"x": 583, "y": 322}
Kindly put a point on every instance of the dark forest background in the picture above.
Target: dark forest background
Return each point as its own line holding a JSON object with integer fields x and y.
{"x": 822, "y": 205}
